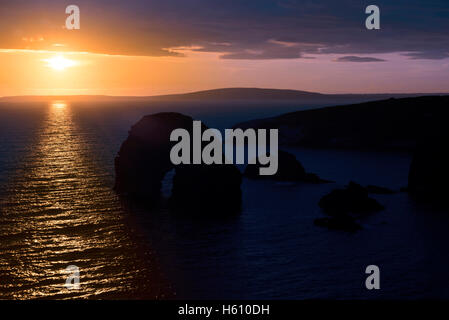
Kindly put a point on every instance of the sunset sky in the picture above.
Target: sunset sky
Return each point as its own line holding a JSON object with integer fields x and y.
{"x": 157, "y": 47}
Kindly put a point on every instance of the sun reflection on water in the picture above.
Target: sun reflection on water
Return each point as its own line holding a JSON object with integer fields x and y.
{"x": 59, "y": 104}
{"x": 59, "y": 212}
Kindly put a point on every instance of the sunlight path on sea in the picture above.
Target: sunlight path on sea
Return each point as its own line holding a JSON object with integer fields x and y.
{"x": 58, "y": 211}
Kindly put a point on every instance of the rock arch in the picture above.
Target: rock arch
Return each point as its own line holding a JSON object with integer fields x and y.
{"x": 144, "y": 159}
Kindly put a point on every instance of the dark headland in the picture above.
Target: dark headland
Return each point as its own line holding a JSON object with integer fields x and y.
{"x": 392, "y": 124}
{"x": 417, "y": 125}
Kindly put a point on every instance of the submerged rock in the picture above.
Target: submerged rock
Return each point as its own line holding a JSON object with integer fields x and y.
{"x": 144, "y": 159}
{"x": 289, "y": 169}
{"x": 352, "y": 200}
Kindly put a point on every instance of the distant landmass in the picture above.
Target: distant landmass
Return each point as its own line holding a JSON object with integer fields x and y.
{"x": 231, "y": 95}
{"x": 258, "y": 94}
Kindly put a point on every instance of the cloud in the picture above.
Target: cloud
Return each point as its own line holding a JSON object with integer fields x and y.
{"x": 430, "y": 55}
{"x": 358, "y": 59}
{"x": 272, "y": 49}
{"x": 252, "y": 29}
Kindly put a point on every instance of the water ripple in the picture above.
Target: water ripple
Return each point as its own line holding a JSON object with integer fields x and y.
{"x": 57, "y": 211}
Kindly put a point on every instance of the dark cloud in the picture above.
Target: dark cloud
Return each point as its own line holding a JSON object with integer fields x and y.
{"x": 358, "y": 59}
{"x": 250, "y": 29}
{"x": 431, "y": 55}
{"x": 271, "y": 50}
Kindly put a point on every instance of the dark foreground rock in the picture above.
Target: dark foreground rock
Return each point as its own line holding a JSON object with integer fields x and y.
{"x": 144, "y": 160}
{"x": 211, "y": 189}
{"x": 144, "y": 157}
{"x": 289, "y": 169}
{"x": 428, "y": 178}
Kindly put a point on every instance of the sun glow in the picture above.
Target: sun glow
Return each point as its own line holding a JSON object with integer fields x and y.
{"x": 59, "y": 104}
{"x": 59, "y": 63}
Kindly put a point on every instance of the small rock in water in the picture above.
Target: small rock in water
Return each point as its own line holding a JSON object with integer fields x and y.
{"x": 344, "y": 206}
{"x": 353, "y": 200}
{"x": 289, "y": 169}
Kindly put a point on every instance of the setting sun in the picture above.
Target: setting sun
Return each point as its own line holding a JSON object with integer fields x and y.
{"x": 59, "y": 104}
{"x": 59, "y": 63}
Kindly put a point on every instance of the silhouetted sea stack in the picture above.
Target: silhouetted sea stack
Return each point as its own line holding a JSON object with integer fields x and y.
{"x": 144, "y": 160}
{"x": 207, "y": 189}
{"x": 428, "y": 178}
{"x": 144, "y": 157}
{"x": 352, "y": 200}
{"x": 345, "y": 206}
{"x": 289, "y": 169}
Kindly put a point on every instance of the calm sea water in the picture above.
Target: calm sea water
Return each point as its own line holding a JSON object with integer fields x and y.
{"x": 57, "y": 208}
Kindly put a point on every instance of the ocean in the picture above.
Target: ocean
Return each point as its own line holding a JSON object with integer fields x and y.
{"x": 58, "y": 208}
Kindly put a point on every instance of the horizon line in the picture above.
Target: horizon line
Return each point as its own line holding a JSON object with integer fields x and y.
{"x": 217, "y": 89}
